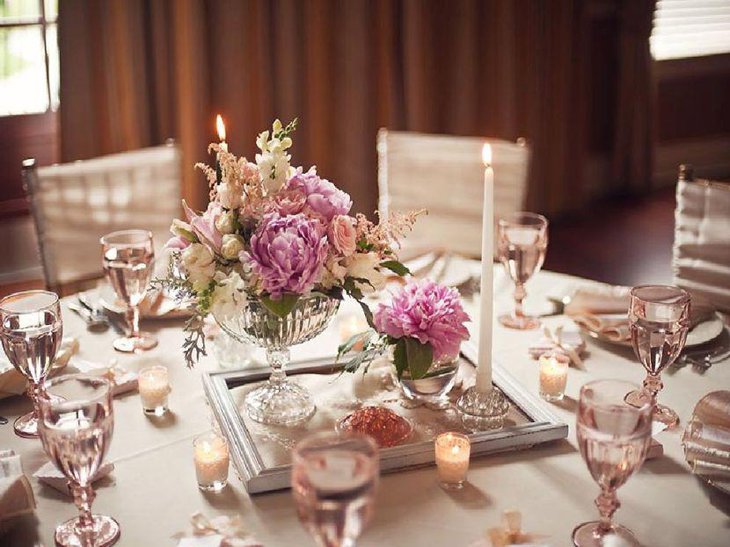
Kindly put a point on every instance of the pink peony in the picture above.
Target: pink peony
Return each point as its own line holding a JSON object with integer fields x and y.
{"x": 428, "y": 312}
{"x": 323, "y": 197}
{"x": 287, "y": 253}
{"x": 289, "y": 202}
{"x": 204, "y": 225}
{"x": 342, "y": 234}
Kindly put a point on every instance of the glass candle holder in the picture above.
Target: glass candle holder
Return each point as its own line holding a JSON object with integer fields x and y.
{"x": 553, "y": 375}
{"x": 154, "y": 387}
{"x": 452, "y": 459}
{"x": 211, "y": 461}
{"x": 349, "y": 325}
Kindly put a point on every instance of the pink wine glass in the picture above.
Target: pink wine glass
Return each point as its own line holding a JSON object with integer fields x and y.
{"x": 613, "y": 437}
{"x": 522, "y": 240}
{"x": 659, "y": 322}
{"x": 31, "y": 329}
{"x": 76, "y": 424}
{"x": 334, "y": 479}
{"x": 128, "y": 261}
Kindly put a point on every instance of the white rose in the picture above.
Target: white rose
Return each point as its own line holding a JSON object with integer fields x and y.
{"x": 232, "y": 245}
{"x": 229, "y": 295}
{"x": 229, "y": 195}
{"x": 199, "y": 264}
{"x": 226, "y": 223}
{"x": 364, "y": 266}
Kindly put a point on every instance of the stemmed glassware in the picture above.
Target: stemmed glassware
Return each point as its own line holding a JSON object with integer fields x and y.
{"x": 659, "y": 322}
{"x": 128, "y": 261}
{"x": 522, "y": 240}
{"x": 334, "y": 479}
{"x": 613, "y": 437}
{"x": 31, "y": 329}
{"x": 76, "y": 424}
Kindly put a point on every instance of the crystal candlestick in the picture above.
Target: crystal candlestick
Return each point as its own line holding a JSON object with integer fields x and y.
{"x": 482, "y": 410}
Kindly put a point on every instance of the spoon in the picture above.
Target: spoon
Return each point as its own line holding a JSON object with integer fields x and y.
{"x": 93, "y": 322}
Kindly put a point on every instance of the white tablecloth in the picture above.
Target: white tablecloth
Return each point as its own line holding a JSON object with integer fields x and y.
{"x": 155, "y": 491}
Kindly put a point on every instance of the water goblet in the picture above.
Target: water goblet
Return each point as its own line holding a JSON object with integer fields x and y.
{"x": 31, "y": 329}
{"x": 334, "y": 479}
{"x": 128, "y": 262}
{"x": 522, "y": 240}
{"x": 659, "y": 322}
{"x": 613, "y": 437}
{"x": 76, "y": 421}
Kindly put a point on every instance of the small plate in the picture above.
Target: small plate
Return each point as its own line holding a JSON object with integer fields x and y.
{"x": 391, "y": 428}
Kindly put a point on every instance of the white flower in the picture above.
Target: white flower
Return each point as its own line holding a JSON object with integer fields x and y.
{"x": 232, "y": 245}
{"x": 226, "y": 223}
{"x": 273, "y": 162}
{"x": 333, "y": 274}
{"x": 229, "y": 295}
{"x": 199, "y": 264}
{"x": 229, "y": 195}
{"x": 182, "y": 229}
{"x": 365, "y": 266}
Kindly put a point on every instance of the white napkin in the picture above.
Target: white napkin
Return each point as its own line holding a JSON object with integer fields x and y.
{"x": 50, "y": 475}
{"x": 123, "y": 380}
{"x": 16, "y": 494}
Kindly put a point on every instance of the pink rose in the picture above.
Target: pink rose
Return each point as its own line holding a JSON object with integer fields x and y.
{"x": 341, "y": 234}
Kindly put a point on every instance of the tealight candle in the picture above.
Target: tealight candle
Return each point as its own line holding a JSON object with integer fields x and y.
{"x": 154, "y": 387}
{"x": 349, "y": 326}
{"x": 211, "y": 461}
{"x": 553, "y": 375}
{"x": 452, "y": 459}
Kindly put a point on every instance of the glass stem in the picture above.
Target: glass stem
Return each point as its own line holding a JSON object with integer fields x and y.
{"x": 520, "y": 294}
{"x": 133, "y": 321}
{"x": 83, "y": 498}
{"x": 607, "y": 504}
{"x": 653, "y": 385}
{"x": 278, "y": 359}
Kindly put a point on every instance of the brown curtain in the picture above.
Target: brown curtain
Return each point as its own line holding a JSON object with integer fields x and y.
{"x": 134, "y": 72}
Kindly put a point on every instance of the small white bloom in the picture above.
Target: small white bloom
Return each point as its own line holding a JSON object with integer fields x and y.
{"x": 182, "y": 229}
{"x": 226, "y": 223}
{"x": 229, "y": 295}
{"x": 365, "y": 266}
{"x": 232, "y": 245}
{"x": 229, "y": 195}
{"x": 199, "y": 263}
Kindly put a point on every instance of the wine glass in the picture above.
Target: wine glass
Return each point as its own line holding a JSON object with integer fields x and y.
{"x": 128, "y": 263}
{"x": 334, "y": 478}
{"x": 521, "y": 245}
{"x": 31, "y": 329}
{"x": 659, "y": 321}
{"x": 613, "y": 437}
{"x": 75, "y": 424}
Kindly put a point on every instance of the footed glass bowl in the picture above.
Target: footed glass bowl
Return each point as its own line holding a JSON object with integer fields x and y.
{"x": 280, "y": 401}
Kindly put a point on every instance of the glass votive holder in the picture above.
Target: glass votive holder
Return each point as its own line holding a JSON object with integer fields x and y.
{"x": 154, "y": 387}
{"x": 452, "y": 459}
{"x": 211, "y": 461}
{"x": 553, "y": 375}
{"x": 349, "y": 325}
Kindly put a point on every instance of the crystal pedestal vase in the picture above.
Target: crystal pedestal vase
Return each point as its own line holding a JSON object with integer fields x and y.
{"x": 280, "y": 401}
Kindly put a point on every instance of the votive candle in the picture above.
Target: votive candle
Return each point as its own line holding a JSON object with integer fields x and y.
{"x": 452, "y": 459}
{"x": 349, "y": 326}
{"x": 211, "y": 461}
{"x": 553, "y": 375}
{"x": 154, "y": 387}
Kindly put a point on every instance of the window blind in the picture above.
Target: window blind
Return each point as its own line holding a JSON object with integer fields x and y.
{"x": 690, "y": 28}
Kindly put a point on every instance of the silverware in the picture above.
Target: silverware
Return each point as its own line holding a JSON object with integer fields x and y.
{"x": 102, "y": 314}
{"x": 93, "y": 323}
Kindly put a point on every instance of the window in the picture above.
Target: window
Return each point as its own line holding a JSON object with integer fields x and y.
{"x": 690, "y": 28}
{"x": 29, "y": 71}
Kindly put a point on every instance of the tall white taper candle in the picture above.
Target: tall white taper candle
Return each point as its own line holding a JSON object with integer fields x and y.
{"x": 484, "y": 365}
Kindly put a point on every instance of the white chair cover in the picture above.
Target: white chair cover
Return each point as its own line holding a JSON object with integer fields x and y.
{"x": 445, "y": 175}
{"x": 701, "y": 260}
{"x": 74, "y": 204}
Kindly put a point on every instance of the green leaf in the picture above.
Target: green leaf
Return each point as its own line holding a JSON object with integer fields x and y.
{"x": 281, "y": 307}
{"x": 420, "y": 357}
{"x": 368, "y": 314}
{"x": 400, "y": 357}
{"x": 396, "y": 267}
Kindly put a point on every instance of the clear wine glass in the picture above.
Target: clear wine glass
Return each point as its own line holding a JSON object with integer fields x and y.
{"x": 128, "y": 262}
{"x": 31, "y": 329}
{"x": 659, "y": 322}
{"x": 613, "y": 437}
{"x": 76, "y": 424}
{"x": 522, "y": 240}
{"x": 334, "y": 479}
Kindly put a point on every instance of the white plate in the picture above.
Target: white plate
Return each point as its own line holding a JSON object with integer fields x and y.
{"x": 705, "y": 332}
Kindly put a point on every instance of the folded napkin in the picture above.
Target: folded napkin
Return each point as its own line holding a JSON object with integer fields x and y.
{"x": 219, "y": 531}
{"x": 567, "y": 342}
{"x": 122, "y": 380}
{"x": 706, "y": 439}
{"x": 16, "y": 494}
{"x": 50, "y": 475}
{"x": 13, "y": 382}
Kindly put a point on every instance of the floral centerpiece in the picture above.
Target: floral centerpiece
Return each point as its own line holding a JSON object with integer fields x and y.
{"x": 276, "y": 241}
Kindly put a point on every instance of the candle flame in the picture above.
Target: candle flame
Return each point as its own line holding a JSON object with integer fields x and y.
{"x": 455, "y": 449}
{"x": 487, "y": 154}
{"x": 221, "y": 128}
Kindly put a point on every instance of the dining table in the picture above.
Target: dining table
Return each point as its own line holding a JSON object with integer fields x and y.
{"x": 152, "y": 491}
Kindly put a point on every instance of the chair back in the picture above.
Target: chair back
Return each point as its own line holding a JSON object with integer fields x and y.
{"x": 74, "y": 204}
{"x": 701, "y": 253}
{"x": 445, "y": 175}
